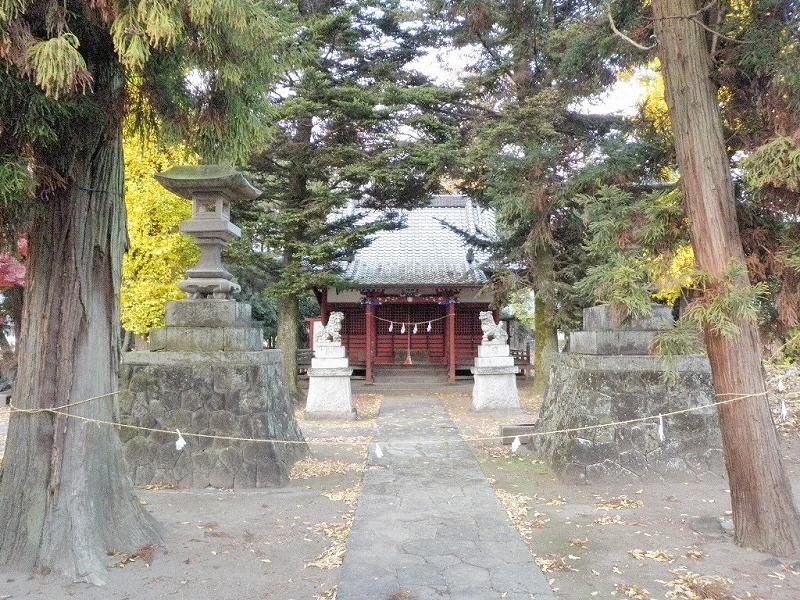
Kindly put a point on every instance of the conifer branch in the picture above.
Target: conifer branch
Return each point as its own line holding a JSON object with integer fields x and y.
{"x": 623, "y": 36}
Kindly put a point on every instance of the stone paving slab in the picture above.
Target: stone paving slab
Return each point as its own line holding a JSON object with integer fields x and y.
{"x": 428, "y": 523}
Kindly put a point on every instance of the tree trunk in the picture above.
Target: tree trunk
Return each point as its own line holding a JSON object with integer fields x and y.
{"x": 764, "y": 513}
{"x": 546, "y": 344}
{"x": 288, "y": 340}
{"x": 16, "y": 297}
{"x": 65, "y": 498}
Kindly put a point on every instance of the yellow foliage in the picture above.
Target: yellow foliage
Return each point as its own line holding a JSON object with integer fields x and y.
{"x": 159, "y": 255}
{"x": 654, "y": 108}
{"x": 677, "y": 276}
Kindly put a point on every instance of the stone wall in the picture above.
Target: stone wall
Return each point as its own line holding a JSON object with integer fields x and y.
{"x": 239, "y": 394}
{"x": 589, "y": 389}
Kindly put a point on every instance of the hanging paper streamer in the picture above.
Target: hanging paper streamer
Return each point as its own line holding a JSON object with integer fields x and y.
{"x": 784, "y": 411}
{"x": 415, "y": 328}
{"x": 515, "y": 444}
{"x": 429, "y": 327}
{"x": 180, "y": 443}
{"x": 378, "y": 451}
{"x": 660, "y": 428}
{"x": 781, "y": 387}
{"x": 403, "y": 328}
{"x": 391, "y": 326}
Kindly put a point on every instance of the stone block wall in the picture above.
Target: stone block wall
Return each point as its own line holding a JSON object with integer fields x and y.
{"x": 594, "y": 389}
{"x": 240, "y": 394}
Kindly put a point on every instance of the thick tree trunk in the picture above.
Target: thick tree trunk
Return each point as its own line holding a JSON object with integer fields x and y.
{"x": 764, "y": 513}
{"x": 288, "y": 340}
{"x": 65, "y": 498}
{"x": 546, "y": 344}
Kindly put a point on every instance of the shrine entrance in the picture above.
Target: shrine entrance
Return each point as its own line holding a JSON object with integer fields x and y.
{"x": 409, "y": 334}
{"x": 401, "y": 332}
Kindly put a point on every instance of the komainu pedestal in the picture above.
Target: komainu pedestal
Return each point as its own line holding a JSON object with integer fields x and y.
{"x": 207, "y": 372}
{"x": 609, "y": 376}
{"x": 329, "y": 392}
{"x": 495, "y": 375}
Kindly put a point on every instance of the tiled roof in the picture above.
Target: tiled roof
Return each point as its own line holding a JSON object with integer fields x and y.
{"x": 427, "y": 251}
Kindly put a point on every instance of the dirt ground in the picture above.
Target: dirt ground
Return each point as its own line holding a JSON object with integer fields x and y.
{"x": 272, "y": 544}
{"x": 641, "y": 540}
{"x": 645, "y": 540}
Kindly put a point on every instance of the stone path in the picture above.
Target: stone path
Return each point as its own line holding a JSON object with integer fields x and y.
{"x": 428, "y": 523}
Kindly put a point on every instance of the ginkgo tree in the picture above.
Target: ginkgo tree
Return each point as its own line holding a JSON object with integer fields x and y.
{"x": 159, "y": 254}
{"x": 202, "y": 68}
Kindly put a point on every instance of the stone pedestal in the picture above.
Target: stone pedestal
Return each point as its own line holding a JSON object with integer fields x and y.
{"x": 610, "y": 376}
{"x": 237, "y": 394}
{"x": 495, "y": 375}
{"x": 329, "y": 393}
{"x": 206, "y": 326}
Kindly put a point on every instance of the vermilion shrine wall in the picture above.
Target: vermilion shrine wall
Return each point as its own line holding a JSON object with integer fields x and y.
{"x": 428, "y": 347}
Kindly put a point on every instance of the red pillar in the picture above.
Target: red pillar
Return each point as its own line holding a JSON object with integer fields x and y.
{"x": 451, "y": 340}
{"x": 370, "y": 340}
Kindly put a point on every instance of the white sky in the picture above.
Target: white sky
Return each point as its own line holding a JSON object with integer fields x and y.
{"x": 446, "y": 66}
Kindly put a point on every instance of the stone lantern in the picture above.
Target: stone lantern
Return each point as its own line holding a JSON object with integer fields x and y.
{"x": 211, "y": 188}
{"x": 207, "y": 371}
{"x": 210, "y": 319}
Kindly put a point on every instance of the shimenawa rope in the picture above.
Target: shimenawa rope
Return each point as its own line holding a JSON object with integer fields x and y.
{"x": 59, "y": 411}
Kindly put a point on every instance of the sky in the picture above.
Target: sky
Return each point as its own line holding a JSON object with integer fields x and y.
{"x": 446, "y": 65}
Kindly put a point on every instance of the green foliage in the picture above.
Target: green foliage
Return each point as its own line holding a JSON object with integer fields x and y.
{"x": 631, "y": 242}
{"x": 357, "y": 130}
{"x": 529, "y": 152}
{"x": 776, "y": 164}
{"x": 15, "y": 183}
{"x": 726, "y": 301}
{"x": 65, "y": 71}
{"x": 755, "y": 65}
{"x": 791, "y": 348}
{"x": 57, "y": 66}
{"x": 622, "y": 281}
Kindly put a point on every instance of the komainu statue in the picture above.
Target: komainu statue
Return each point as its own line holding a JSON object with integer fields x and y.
{"x": 332, "y": 332}
{"x": 492, "y": 332}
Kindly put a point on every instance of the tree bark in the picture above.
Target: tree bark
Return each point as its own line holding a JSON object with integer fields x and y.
{"x": 65, "y": 498}
{"x": 764, "y": 513}
{"x": 546, "y": 344}
{"x": 288, "y": 340}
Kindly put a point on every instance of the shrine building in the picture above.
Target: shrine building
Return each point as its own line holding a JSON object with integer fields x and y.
{"x": 415, "y": 293}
